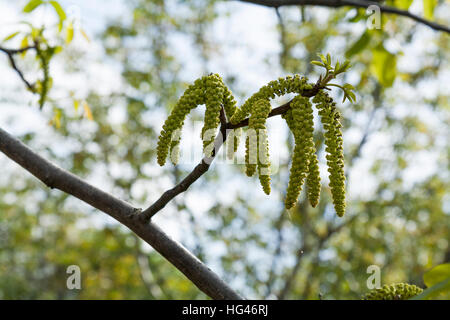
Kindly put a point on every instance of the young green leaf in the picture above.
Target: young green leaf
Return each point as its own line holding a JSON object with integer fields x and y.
{"x": 359, "y": 45}
{"x": 76, "y": 104}
{"x": 428, "y": 8}
{"x": 11, "y": 36}
{"x": 437, "y": 274}
{"x": 318, "y": 63}
{"x": 33, "y": 4}
{"x": 24, "y": 44}
{"x": 59, "y": 10}
{"x": 69, "y": 32}
{"x": 384, "y": 66}
{"x": 404, "y": 4}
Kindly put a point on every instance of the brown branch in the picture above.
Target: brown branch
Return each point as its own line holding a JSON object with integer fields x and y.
{"x": 56, "y": 177}
{"x": 350, "y": 3}
{"x": 205, "y": 163}
{"x": 10, "y": 53}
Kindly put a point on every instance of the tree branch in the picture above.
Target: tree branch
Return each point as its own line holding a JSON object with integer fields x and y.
{"x": 350, "y": 3}
{"x": 10, "y": 53}
{"x": 55, "y": 177}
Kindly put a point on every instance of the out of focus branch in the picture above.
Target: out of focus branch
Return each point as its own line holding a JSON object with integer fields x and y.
{"x": 11, "y": 53}
{"x": 350, "y": 3}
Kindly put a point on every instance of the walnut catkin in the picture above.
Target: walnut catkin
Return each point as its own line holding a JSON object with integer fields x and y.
{"x": 211, "y": 91}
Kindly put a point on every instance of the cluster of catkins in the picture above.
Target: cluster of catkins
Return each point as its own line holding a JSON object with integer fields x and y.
{"x": 211, "y": 91}
{"x": 398, "y": 291}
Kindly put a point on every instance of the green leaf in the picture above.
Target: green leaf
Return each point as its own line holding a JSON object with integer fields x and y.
{"x": 69, "y": 32}
{"x": 336, "y": 66}
{"x": 24, "y": 44}
{"x": 318, "y": 63}
{"x": 59, "y": 10}
{"x": 403, "y": 4}
{"x": 359, "y": 45}
{"x": 12, "y": 35}
{"x": 438, "y": 282}
{"x": 76, "y": 105}
{"x": 437, "y": 274}
{"x": 33, "y": 4}
{"x": 322, "y": 57}
{"x": 436, "y": 290}
{"x": 428, "y": 8}
{"x": 360, "y": 14}
{"x": 57, "y": 118}
{"x": 384, "y": 66}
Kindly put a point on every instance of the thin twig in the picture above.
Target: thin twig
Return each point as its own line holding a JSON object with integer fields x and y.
{"x": 10, "y": 53}
{"x": 350, "y": 3}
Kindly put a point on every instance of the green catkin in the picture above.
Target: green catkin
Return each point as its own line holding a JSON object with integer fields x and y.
{"x": 214, "y": 91}
{"x": 398, "y": 291}
{"x": 229, "y": 103}
{"x": 313, "y": 177}
{"x": 193, "y": 96}
{"x": 174, "y": 150}
{"x": 208, "y": 90}
{"x": 233, "y": 138}
{"x": 250, "y": 164}
{"x": 300, "y": 123}
{"x": 263, "y": 161}
{"x": 330, "y": 118}
{"x": 274, "y": 88}
{"x": 237, "y": 138}
{"x": 258, "y": 146}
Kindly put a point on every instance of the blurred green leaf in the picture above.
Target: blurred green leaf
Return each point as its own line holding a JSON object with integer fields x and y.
{"x": 69, "y": 32}
{"x": 438, "y": 289}
{"x": 11, "y": 36}
{"x": 359, "y": 45}
{"x": 33, "y": 4}
{"x": 360, "y": 14}
{"x": 404, "y": 4}
{"x": 59, "y": 10}
{"x": 437, "y": 274}
{"x": 428, "y": 8}
{"x": 76, "y": 104}
{"x": 24, "y": 44}
{"x": 384, "y": 66}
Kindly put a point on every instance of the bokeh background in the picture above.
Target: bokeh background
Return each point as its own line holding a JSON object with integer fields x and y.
{"x": 139, "y": 58}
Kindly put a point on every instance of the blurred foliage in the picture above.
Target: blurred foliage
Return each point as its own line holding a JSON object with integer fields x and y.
{"x": 395, "y": 139}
